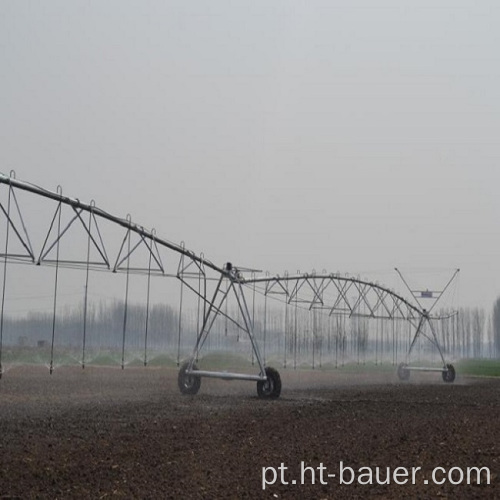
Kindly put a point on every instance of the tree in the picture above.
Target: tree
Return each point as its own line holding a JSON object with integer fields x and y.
{"x": 478, "y": 321}
{"x": 496, "y": 327}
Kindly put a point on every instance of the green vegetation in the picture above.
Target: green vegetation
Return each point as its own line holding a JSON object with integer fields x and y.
{"x": 224, "y": 361}
{"x": 25, "y": 356}
{"x": 479, "y": 367}
{"x": 161, "y": 360}
{"x": 368, "y": 367}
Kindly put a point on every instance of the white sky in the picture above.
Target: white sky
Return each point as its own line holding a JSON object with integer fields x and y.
{"x": 351, "y": 136}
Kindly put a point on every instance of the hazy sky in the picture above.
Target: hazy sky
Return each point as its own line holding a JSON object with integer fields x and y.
{"x": 351, "y": 136}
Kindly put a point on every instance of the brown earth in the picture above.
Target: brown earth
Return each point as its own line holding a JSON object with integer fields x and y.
{"x": 104, "y": 432}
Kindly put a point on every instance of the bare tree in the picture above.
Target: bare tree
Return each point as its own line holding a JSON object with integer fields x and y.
{"x": 478, "y": 321}
{"x": 496, "y": 327}
{"x": 464, "y": 323}
{"x": 490, "y": 336}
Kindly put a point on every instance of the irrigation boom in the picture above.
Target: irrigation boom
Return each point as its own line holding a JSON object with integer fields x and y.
{"x": 329, "y": 294}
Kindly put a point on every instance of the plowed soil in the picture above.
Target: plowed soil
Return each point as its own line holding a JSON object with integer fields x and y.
{"x": 106, "y": 432}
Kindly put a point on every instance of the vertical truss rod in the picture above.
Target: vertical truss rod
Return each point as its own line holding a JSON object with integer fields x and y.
{"x": 243, "y": 306}
{"x": 206, "y": 320}
{"x": 4, "y": 281}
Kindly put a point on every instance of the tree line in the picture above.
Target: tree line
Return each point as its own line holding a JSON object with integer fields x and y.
{"x": 471, "y": 333}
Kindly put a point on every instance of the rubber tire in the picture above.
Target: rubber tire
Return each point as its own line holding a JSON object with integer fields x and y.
{"x": 449, "y": 375}
{"x": 403, "y": 372}
{"x": 188, "y": 384}
{"x": 270, "y": 388}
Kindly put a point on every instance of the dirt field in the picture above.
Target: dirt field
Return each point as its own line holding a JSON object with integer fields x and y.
{"x": 104, "y": 432}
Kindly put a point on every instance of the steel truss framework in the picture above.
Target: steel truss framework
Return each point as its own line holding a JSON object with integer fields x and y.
{"x": 330, "y": 294}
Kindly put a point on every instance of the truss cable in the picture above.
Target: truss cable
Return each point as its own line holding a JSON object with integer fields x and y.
{"x": 225, "y": 311}
{"x": 199, "y": 304}
{"x": 343, "y": 337}
{"x": 59, "y": 210}
{"x": 366, "y": 334}
{"x": 383, "y": 325}
{"x": 397, "y": 341}
{"x": 313, "y": 335}
{"x": 313, "y": 312}
{"x": 337, "y": 342}
{"x": 322, "y": 318}
{"x": 180, "y": 322}
{"x": 358, "y": 338}
{"x": 392, "y": 342}
{"x": 147, "y": 312}
{"x": 409, "y": 339}
{"x": 304, "y": 344}
{"x": 322, "y": 339}
{"x": 265, "y": 327}
{"x": 253, "y": 314}
{"x": 239, "y": 314}
{"x": 338, "y": 329}
{"x": 4, "y": 287}
{"x": 338, "y": 339}
{"x": 329, "y": 343}
{"x": 126, "y": 301}
{"x": 329, "y": 337}
{"x": 85, "y": 300}
{"x": 295, "y": 336}
{"x": 286, "y": 331}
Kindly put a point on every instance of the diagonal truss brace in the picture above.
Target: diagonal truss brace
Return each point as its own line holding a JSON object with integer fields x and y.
{"x": 22, "y": 234}
{"x": 151, "y": 246}
{"x": 97, "y": 240}
{"x": 425, "y": 319}
{"x": 214, "y": 309}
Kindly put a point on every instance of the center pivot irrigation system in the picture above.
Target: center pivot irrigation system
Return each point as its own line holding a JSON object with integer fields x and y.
{"x": 331, "y": 295}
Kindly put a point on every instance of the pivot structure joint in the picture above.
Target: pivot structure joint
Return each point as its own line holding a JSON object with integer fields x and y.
{"x": 233, "y": 273}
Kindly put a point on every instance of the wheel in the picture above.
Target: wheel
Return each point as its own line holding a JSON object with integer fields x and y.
{"x": 188, "y": 384}
{"x": 449, "y": 374}
{"x": 403, "y": 372}
{"x": 270, "y": 388}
